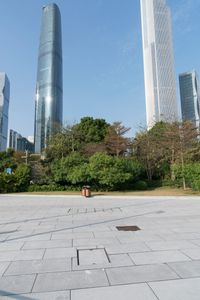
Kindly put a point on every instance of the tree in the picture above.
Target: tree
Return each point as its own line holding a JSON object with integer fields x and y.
{"x": 85, "y": 137}
{"x": 63, "y": 143}
{"x": 7, "y": 160}
{"x": 111, "y": 172}
{"x": 116, "y": 143}
{"x": 147, "y": 152}
{"x": 91, "y": 130}
{"x": 180, "y": 139}
{"x": 62, "y": 169}
{"x": 22, "y": 177}
{"x": 164, "y": 145}
{"x": 92, "y": 148}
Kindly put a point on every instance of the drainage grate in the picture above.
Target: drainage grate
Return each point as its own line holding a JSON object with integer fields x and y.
{"x": 128, "y": 228}
{"x": 92, "y": 257}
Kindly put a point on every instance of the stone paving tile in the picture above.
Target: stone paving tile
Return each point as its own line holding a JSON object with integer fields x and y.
{"x": 60, "y": 253}
{"x": 29, "y": 237}
{"x": 128, "y": 292}
{"x": 192, "y": 253}
{"x": 94, "y": 242}
{"x": 10, "y": 227}
{"x": 29, "y": 254}
{"x": 38, "y": 266}
{"x": 8, "y": 256}
{"x": 157, "y": 257}
{"x": 21, "y": 255}
{"x": 127, "y": 248}
{"x": 171, "y": 245}
{"x": 112, "y": 234}
{"x": 187, "y": 229}
{"x": 185, "y": 289}
{"x": 10, "y": 246}
{"x": 116, "y": 260}
{"x": 186, "y": 269}
{"x": 3, "y": 267}
{"x": 48, "y": 244}
{"x": 92, "y": 256}
{"x": 136, "y": 274}
{"x": 181, "y": 236}
{"x": 58, "y": 295}
{"x": 196, "y": 242}
{"x": 70, "y": 280}
{"x": 16, "y": 284}
{"x": 125, "y": 240}
{"x": 70, "y": 235}
{"x": 91, "y": 228}
{"x": 3, "y": 237}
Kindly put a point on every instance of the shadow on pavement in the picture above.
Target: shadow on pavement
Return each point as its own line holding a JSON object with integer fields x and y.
{"x": 79, "y": 226}
{"x": 14, "y": 296}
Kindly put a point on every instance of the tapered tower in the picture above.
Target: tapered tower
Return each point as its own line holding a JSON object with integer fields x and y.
{"x": 49, "y": 90}
{"x": 4, "y": 107}
{"x": 159, "y": 70}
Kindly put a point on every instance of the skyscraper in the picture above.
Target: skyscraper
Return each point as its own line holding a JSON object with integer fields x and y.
{"x": 19, "y": 143}
{"x": 49, "y": 91}
{"x": 190, "y": 97}
{"x": 159, "y": 71}
{"x": 4, "y": 106}
{"x": 13, "y": 138}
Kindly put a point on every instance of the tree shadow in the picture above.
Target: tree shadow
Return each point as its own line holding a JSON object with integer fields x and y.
{"x": 15, "y": 296}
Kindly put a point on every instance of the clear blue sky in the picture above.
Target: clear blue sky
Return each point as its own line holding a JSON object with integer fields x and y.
{"x": 102, "y": 57}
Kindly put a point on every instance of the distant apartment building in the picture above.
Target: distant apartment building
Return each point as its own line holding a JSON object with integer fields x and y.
{"x": 4, "y": 106}
{"x": 158, "y": 57}
{"x": 19, "y": 143}
{"x": 190, "y": 97}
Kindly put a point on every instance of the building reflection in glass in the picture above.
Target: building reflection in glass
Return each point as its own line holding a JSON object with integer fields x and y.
{"x": 49, "y": 91}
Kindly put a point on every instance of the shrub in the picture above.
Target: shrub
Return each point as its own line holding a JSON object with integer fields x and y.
{"x": 22, "y": 177}
{"x": 191, "y": 173}
{"x": 140, "y": 185}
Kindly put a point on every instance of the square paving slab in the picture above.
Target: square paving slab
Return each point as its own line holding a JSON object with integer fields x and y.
{"x": 92, "y": 257}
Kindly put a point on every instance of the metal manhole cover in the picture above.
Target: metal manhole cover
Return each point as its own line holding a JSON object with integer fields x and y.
{"x": 92, "y": 257}
{"x": 128, "y": 228}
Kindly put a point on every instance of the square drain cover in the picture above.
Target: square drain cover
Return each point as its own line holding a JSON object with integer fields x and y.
{"x": 92, "y": 257}
{"x": 128, "y": 228}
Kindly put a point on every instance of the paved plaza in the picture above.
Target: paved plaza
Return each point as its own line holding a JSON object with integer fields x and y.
{"x": 69, "y": 248}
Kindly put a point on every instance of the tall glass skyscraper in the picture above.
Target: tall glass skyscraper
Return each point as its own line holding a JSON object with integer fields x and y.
{"x": 49, "y": 90}
{"x": 159, "y": 71}
{"x": 4, "y": 106}
{"x": 190, "y": 97}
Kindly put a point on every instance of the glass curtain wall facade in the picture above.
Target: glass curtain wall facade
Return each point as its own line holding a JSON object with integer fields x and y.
{"x": 190, "y": 97}
{"x": 19, "y": 143}
{"x": 4, "y": 107}
{"x": 159, "y": 70}
{"x": 13, "y": 137}
{"x": 49, "y": 90}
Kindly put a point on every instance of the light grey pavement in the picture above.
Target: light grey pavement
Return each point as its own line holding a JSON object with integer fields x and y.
{"x": 68, "y": 248}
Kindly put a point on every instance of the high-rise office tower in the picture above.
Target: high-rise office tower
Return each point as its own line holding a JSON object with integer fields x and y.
{"x": 159, "y": 71}
{"x": 13, "y": 138}
{"x": 49, "y": 91}
{"x": 190, "y": 97}
{"x": 4, "y": 106}
{"x": 19, "y": 143}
